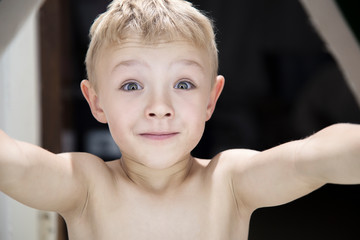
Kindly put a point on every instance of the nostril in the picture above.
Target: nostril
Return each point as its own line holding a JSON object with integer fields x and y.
{"x": 160, "y": 115}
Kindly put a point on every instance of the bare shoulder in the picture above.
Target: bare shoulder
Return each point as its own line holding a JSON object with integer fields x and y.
{"x": 80, "y": 160}
{"x": 81, "y": 157}
{"x": 86, "y": 164}
{"x": 92, "y": 173}
{"x": 91, "y": 169}
{"x": 233, "y": 159}
{"x": 228, "y": 163}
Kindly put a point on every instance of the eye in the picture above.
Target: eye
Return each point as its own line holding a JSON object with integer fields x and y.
{"x": 131, "y": 86}
{"x": 186, "y": 85}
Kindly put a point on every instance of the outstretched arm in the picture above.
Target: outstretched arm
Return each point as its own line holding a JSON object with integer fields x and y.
{"x": 294, "y": 169}
{"x": 38, "y": 178}
{"x": 332, "y": 155}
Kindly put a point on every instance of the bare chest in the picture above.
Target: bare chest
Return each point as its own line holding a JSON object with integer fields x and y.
{"x": 169, "y": 222}
{"x": 206, "y": 213}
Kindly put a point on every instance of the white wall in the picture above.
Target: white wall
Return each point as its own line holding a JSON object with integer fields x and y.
{"x": 19, "y": 117}
{"x": 13, "y": 14}
{"x": 20, "y": 113}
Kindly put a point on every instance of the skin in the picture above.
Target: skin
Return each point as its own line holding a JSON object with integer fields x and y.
{"x": 156, "y": 100}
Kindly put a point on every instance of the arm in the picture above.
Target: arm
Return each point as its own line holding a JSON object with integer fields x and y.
{"x": 294, "y": 169}
{"x": 332, "y": 155}
{"x": 38, "y": 178}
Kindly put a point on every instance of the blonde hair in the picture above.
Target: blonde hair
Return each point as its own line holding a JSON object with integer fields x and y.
{"x": 151, "y": 21}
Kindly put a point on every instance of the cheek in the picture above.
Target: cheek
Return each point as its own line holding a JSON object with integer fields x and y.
{"x": 194, "y": 113}
{"x": 121, "y": 116}
{"x": 198, "y": 108}
{"x": 196, "y": 132}
{"x": 119, "y": 108}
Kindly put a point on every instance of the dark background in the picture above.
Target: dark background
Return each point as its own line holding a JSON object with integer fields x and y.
{"x": 281, "y": 84}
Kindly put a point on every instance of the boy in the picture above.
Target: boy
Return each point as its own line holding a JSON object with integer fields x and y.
{"x": 152, "y": 69}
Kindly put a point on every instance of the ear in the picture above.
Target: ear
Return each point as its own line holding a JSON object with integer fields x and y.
{"x": 214, "y": 95}
{"x": 93, "y": 100}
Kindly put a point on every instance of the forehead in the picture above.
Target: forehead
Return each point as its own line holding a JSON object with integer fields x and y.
{"x": 134, "y": 53}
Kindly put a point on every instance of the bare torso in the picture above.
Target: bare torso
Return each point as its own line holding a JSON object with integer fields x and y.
{"x": 202, "y": 207}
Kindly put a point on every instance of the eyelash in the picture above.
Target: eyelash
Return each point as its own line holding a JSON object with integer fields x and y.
{"x": 189, "y": 85}
{"x": 126, "y": 86}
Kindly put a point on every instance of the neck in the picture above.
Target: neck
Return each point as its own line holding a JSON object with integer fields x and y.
{"x": 157, "y": 180}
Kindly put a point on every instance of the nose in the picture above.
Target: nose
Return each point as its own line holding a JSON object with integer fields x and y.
{"x": 159, "y": 106}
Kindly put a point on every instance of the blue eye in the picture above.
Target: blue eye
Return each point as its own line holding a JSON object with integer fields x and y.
{"x": 184, "y": 85}
{"x": 131, "y": 86}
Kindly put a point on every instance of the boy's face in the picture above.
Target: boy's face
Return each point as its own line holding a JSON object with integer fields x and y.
{"x": 155, "y": 99}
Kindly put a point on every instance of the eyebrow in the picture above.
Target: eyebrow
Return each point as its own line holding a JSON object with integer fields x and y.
{"x": 130, "y": 63}
{"x": 135, "y": 62}
{"x": 188, "y": 62}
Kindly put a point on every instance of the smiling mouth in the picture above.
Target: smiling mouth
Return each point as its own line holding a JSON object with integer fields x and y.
{"x": 159, "y": 136}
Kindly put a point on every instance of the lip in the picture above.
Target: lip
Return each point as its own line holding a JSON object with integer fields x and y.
{"x": 159, "y": 135}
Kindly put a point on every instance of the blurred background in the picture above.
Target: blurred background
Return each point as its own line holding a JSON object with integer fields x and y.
{"x": 282, "y": 84}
